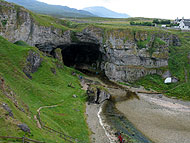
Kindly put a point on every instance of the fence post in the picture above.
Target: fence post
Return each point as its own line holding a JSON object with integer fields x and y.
{"x": 2, "y": 84}
{"x": 23, "y": 139}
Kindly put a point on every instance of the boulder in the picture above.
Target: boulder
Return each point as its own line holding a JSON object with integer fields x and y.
{"x": 171, "y": 80}
{"x": 97, "y": 95}
{"x": 74, "y": 96}
{"x": 24, "y": 128}
{"x": 53, "y": 70}
{"x": 6, "y": 107}
{"x": 166, "y": 74}
{"x": 175, "y": 79}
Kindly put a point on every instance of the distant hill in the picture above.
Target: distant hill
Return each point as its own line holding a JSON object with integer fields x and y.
{"x": 104, "y": 12}
{"x": 54, "y": 10}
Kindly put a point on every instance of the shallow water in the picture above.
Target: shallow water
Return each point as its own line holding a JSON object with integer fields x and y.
{"x": 114, "y": 118}
{"x": 163, "y": 120}
{"x": 120, "y": 123}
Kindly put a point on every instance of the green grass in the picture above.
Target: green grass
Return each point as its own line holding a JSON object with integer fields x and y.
{"x": 21, "y": 43}
{"x": 143, "y": 44}
{"x": 44, "y": 89}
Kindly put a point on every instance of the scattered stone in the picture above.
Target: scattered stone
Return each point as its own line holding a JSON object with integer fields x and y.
{"x": 53, "y": 70}
{"x": 174, "y": 80}
{"x": 160, "y": 96}
{"x": 171, "y": 80}
{"x": 24, "y": 128}
{"x": 166, "y": 74}
{"x": 2, "y": 83}
{"x": 70, "y": 85}
{"x": 59, "y": 65}
{"x": 73, "y": 73}
{"x": 76, "y": 110}
{"x": 6, "y": 107}
{"x": 22, "y": 109}
{"x": 188, "y": 57}
{"x": 74, "y": 96}
{"x": 28, "y": 75}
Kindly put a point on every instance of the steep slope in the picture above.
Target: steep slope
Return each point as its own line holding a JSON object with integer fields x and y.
{"x": 104, "y": 12}
{"x": 125, "y": 53}
{"x": 54, "y": 10}
{"x": 22, "y": 94}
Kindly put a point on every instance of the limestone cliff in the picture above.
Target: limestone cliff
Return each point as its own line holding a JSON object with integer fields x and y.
{"x": 17, "y": 23}
{"x": 127, "y": 54}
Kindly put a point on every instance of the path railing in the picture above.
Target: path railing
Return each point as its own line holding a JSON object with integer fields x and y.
{"x": 23, "y": 139}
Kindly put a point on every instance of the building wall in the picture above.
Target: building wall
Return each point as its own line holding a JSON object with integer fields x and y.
{"x": 183, "y": 27}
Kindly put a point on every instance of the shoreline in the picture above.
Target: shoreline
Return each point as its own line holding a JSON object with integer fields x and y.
{"x": 101, "y": 131}
{"x": 162, "y": 119}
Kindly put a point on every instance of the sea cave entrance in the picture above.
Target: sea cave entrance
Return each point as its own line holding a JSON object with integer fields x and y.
{"x": 82, "y": 56}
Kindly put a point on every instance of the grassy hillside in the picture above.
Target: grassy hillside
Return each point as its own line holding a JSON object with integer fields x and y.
{"x": 45, "y": 89}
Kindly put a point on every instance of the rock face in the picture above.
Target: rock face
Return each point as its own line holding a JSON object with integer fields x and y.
{"x": 32, "y": 64}
{"x": 24, "y": 128}
{"x": 19, "y": 24}
{"x": 97, "y": 95}
{"x": 127, "y": 54}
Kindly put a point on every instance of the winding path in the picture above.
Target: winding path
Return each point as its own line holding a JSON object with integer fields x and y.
{"x": 37, "y": 117}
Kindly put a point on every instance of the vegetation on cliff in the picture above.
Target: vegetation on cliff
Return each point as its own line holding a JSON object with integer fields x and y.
{"x": 24, "y": 96}
{"x": 179, "y": 66}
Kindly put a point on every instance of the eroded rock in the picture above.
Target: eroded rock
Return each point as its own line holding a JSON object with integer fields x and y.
{"x": 24, "y": 128}
{"x": 6, "y": 107}
{"x": 33, "y": 62}
{"x": 131, "y": 54}
{"x": 97, "y": 95}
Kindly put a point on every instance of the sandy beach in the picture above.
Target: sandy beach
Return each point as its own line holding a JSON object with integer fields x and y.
{"x": 161, "y": 119}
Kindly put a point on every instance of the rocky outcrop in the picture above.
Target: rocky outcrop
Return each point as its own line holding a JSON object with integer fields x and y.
{"x": 127, "y": 54}
{"x": 20, "y": 24}
{"x": 6, "y": 107}
{"x": 33, "y": 62}
{"x": 97, "y": 95}
{"x": 24, "y": 128}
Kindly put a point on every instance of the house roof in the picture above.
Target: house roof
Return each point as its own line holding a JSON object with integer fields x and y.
{"x": 187, "y": 23}
{"x": 186, "y": 20}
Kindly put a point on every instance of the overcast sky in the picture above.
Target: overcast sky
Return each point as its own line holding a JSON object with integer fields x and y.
{"x": 135, "y": 8}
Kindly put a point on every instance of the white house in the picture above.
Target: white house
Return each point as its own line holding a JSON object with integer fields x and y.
{"x": 184, "y": 24}
{"x": 163, "y": 26}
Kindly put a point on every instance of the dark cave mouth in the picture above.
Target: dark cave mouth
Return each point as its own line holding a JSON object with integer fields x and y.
{"x": 81, "y": 56}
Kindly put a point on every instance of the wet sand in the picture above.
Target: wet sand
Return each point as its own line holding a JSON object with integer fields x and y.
{"x": 100, "y": 130}
{"x": 98, "y": 134}
{"x": 161, "y": 119}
